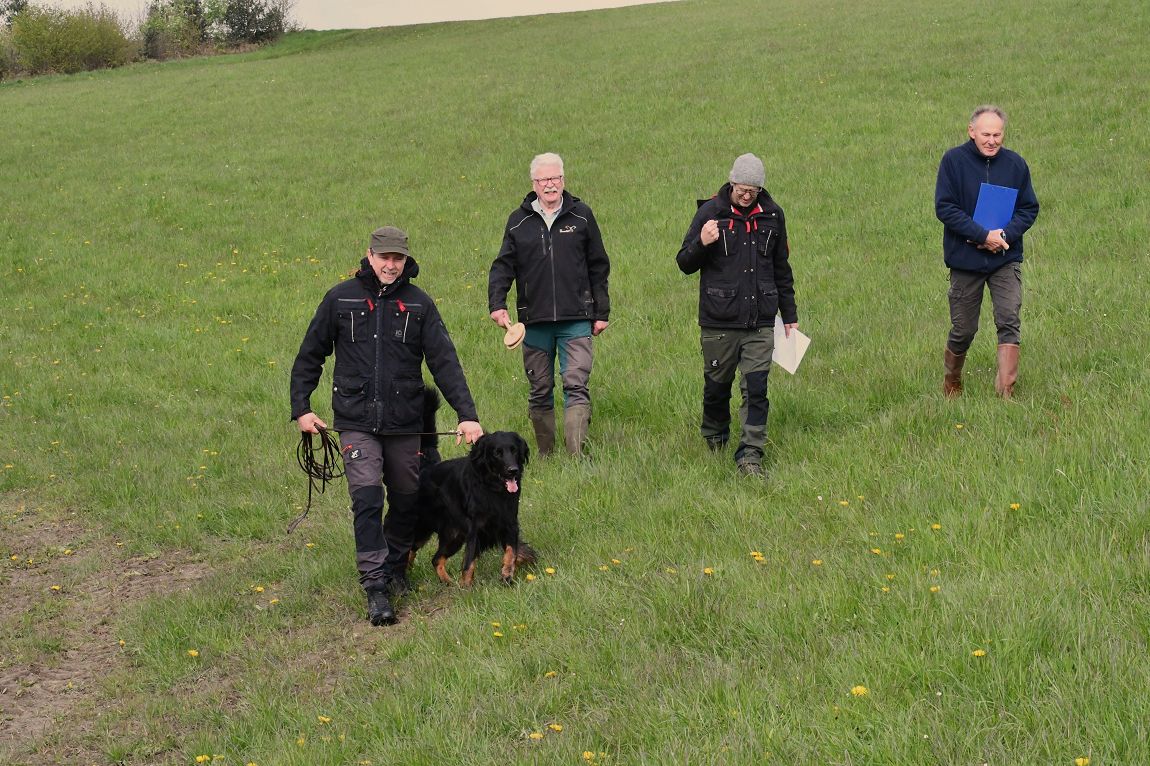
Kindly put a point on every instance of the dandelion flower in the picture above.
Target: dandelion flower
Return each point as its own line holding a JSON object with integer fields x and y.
{"x": 323, "y": 719}
{"x": 934, "y": 573}
{"x": 816, "y": 562}
{"x": 122, "y": 642}
{"x": 550, "y": 674}
{"x": 860, "y": 691}
{"x": 530, "y": 577}
{"x": 616, "y": 561}
{"x": 756, "y": 554}
{"x": 203, "y": 758}
{"x": 536, "y": 735}
{"x": 550, "y": 570}
{"x": 603, "y": 567}
{"x": 274, "y": 601}
{"x": 844, "y": 503}
{"x": 497, "y": 625}
{"x": 1015, "y": 506}
{"x": 936, "y": 526}
{"x": 555, "y": 726}
{"x": 899, "y": 536}
{"x": 978, "y": 653}
{"x": 56, "y": 587}
{"x": 258, "y": 589}
{"x": 309, "y": 545}
{"x": 958, "y": 426}
{"x": 588, "y": 755}
{"x": 876, "y": 551}
{"x": 935, "y": 588}
{"x": 193, "y": 652}
{"x": 890, "y": 575}
{"x": 708, "y": 571}
{"x": 885, "y": 589}
{"x": 497, "y": 634}
{"x": 301, "y": 741}
{"x": 1082, "y": 761}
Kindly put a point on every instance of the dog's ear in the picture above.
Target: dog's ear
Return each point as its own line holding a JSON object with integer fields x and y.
{"x": 480, "y": 451}
{"x": 523, "y": 449}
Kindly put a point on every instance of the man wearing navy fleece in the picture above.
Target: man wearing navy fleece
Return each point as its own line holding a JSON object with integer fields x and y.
{"x": 980, "y": 257}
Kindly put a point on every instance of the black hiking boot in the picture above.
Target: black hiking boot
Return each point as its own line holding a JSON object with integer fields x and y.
{"x": 379, "y": 609}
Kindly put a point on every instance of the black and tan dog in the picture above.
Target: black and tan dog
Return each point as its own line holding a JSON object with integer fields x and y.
{"x": 473, "y": 503}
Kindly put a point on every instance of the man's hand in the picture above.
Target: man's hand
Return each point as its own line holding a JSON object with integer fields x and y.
{"x": 788, "y": 327}
{"x": 310, "y": 423}
{"x": 598, "y": 326}
{"x": 468, "y": 430}
{"x": 500, "y": 317}
{"x": 709, "y": 233}
{"x": 996, "y": 241}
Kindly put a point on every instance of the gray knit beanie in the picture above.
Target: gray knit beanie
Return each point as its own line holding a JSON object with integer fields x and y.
{"x": 748, "y": 170}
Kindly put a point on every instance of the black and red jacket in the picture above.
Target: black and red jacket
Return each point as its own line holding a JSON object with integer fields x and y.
{"x": 560, "y": 274}
{"x": 745, "y": 275}
{"x": 381, "y": 334}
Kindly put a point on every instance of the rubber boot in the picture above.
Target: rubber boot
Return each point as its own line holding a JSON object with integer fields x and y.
{"x": 1007, "y": 369}
{"x": 399, "y": 530}
{"x": 952, "y": 379}
{"x": 576, "y": 419}
{"x": 544, "y": 423}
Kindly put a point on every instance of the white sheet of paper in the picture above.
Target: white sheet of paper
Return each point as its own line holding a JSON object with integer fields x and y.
{"x": 789, "y": 351}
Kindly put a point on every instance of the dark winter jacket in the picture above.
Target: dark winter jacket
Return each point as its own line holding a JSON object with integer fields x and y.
{"x": 381, "y": 334}
{"x": 560, "y": 274}
{"x": 960, "y": 174}
{"x": 745, "y": 274}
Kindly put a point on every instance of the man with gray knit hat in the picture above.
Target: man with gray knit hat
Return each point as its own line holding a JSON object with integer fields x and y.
{"x": 738, "y": 244}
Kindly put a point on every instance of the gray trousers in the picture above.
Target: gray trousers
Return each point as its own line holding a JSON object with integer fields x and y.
{"x": 571, "y": 343}
{"x": 367, "y": 458}
{"x": 965, "y": 297}
{"x": 748, "y": 352}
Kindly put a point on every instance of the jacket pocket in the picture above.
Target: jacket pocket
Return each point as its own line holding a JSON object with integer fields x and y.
{"x": 403, "y": 323}
{"x": 721, "y": 303}
{"x": 349, "y": 397}
{"x": 768, "y": 300}
{"x": 353, "y": 317}
{"x": 404, "y": 403}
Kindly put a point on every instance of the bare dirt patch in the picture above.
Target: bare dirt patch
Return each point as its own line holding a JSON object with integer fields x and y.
{"x": 64, "y": 586}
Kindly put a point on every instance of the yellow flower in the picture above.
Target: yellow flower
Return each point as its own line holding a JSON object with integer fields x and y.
{"x": 588, "y": 755}
{"x": 497, "y": 634}
{"x": 899, "y": 536}
{"x": 193, "y": 652}
{"x": 555, "y": 726}
{"x": 1015, "y": 506}
{"x": 56, "y": 587}
{"x": 550, "y": 674}
{"x": 309, "y": 545}
{"x": 876, "y": 551}
{"x": 1082, "y": 761}
{"x": 860, "y": 691}
{"x": 258, "y": 589}
{"x": 958, "y": 426}
{"x": 550, "y": 570}
{"x": 603, "y": 568}
{"x": 756, "y": 554}
{"x": 536, "y": 735}
{"x": 529, "y": 577}
{"x": 935, "y": 589}
{"x": 890, "y": 575}
{"x": 203, "y": 758}
{"x": 934, "y": 573}
{"x": 708, "y": 571}
{"x": 122, "y": 642}
{"x": 816, "y": 562}
{"x": 301, "y": 741}
{"x": 885, "y": 589}
{"x": 323, "y": 719}
{"x": 844, "y": 502}
{"x": 616, "y": 561}
{"x": 671, "y": 570}
{"x": 978, "y": 653}
{"x": 274, "y": 601}
{"x": 497, "y": 625}
{"x": 936, "y": 527}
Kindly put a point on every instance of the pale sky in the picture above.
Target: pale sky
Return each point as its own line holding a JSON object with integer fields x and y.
{"x": 362, "y": 14}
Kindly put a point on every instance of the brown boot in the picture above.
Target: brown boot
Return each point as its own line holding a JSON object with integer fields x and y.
{"x": 576, "y": 418}
{"x": 544, "y": 423}
{"x": 1007, "y": 369}
{"x": 952, "y": 379}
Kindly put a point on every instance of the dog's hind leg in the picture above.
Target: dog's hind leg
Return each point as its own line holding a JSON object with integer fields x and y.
{"x": 448, "y": 547}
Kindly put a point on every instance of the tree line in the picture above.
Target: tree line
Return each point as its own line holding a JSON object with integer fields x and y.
{"x": 37, "y": 39}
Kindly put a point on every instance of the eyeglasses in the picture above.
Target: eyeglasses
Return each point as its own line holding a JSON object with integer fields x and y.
{"x": 548, "y": 180}
{"x": 746, "y": 191}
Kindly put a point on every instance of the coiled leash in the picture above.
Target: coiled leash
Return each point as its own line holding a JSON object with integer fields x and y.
{"x": 321, "y": 464}
{"x": 324, "y": 463}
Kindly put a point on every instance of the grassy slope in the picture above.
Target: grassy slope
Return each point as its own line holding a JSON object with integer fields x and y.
{"x": 167, "y": 231}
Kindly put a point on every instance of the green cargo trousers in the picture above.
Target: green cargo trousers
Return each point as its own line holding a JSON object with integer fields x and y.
{"x": 749, "y": 352}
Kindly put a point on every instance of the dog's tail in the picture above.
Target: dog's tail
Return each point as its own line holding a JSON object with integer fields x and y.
{"x": 429, "y": 441}
{"x": 525, "y": 555}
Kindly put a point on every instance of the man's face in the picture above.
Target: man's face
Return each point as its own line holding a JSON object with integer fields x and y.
{"x": 547, "y": 180}
{"x": 387, "y": 266}
{"x": 986, "y": 131}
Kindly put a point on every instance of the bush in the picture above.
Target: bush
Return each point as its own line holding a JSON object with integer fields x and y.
{"x": 67, "y": 41}
{"x": 7, "y": 54}
{"x": 174, "y": 28}
{"x": 247, "y": 21}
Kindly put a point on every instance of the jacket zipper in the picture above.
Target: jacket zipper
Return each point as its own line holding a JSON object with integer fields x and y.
{"x": 549, "y": 248}
{"x": 378, "y": 352}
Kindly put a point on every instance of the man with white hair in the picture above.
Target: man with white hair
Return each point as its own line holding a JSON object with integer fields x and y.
{"x": 738, "y": 244}
{"x": 553, "y": 251}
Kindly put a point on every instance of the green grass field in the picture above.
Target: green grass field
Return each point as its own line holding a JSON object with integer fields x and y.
{"x": 980, "y": 569}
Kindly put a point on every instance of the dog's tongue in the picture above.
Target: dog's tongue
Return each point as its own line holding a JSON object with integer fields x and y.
{"x": 512, "y": 485}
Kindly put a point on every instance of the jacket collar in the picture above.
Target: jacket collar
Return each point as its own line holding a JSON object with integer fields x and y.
{"x": 366, "y": 276}
{"x": 569, "y": 201}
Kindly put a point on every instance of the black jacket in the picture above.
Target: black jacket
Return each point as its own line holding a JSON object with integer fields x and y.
{"x": 745, "y": 274}
{"x": 380, "y": 334}
{"x": 560, "y": 274}
{"x": 961, "y": 173}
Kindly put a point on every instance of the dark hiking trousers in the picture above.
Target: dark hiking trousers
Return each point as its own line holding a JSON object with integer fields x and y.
{"x": 748, "y": 352}
{"x": 368, "y": 458}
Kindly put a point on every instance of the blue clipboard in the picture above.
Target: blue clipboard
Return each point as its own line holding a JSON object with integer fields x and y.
{"x": 995, "y": 206}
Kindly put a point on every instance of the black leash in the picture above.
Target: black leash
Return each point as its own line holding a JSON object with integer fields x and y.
{"x": 323, "y": 463}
